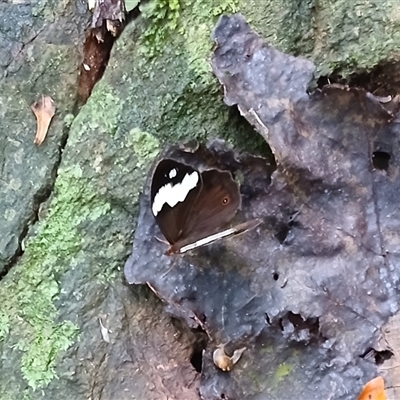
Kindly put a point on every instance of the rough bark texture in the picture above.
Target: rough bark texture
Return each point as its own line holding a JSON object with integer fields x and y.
{"x": 39, "y": 56}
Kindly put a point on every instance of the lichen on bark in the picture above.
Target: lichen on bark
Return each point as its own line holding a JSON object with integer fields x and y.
{"x": 30, "y": 290}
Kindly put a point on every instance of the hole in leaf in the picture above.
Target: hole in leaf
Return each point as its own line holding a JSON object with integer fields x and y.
{"x": 379, "y": 357}
{"x": 380, "y": 160}
{"x": 196, "y": 358}
{"x": 281, "y": 324}
{"x": 282, "y": 233}
{"x": 382, "y": 356}
{"x": 312, "y": 324}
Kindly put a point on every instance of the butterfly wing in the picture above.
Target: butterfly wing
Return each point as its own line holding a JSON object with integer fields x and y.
{"x": 227, "y": 233}
{"x": 174, "y": 189}
{"x": 215, "y": 206}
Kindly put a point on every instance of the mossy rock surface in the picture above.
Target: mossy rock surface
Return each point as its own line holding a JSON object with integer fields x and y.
{"x": 339, "y": 36}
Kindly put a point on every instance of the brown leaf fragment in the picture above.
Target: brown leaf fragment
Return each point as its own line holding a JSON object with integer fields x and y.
{"x": 373, "y": 390}
{"x": 223, "y": 361}
{"x": 104, "y": 331}
{"x": 44, "y": 110}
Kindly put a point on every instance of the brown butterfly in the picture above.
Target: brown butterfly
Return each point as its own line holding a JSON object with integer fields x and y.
{"x": 190, "y": 206}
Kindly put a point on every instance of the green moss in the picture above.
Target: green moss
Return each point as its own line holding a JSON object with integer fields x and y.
{"x": 105, "y": 110}
{"x": 266, "y": 350}
{"x": 4, "y": 324}
{"x": 198, "y": 47}
{"x": 281, "y": 372}
{"x": 163, "y": 16}
{"x": 68, "y": 119}
{"x": 10, "y": 394}
{"x": 26, "y": 395}
{"x": 217, "y": 120}
{"x": 261, "y": 380}
{"x": 357, "y": 36}
{"x": 145, "y": 146}
{"x": 201, "y": 96}
{"x": 197, "y": 33}
{"x": 107, "y": 276}
{"x": 173, "y": 96}
{"x": 287, "y": 25}
{"x": 340, "y": 36}
{"x": 30, "y": 289}
{"x": 38, "y": 360}
{"x": 171, "y": 16}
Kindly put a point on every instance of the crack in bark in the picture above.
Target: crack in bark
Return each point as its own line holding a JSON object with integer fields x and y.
{"x": 94, "y": 386}
{"x": 23, "y": 46}
{"x": 39, "y": 198}
{"x": 44, "y": 194}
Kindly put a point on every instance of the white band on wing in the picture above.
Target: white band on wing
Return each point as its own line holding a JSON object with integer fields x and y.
{"x": 208, "y": 240}
{"x": 173, "y": 194}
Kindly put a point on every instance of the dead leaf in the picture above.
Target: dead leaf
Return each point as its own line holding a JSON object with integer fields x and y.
{"x": 373, "y": 390}
{"x": 104, "y": 331}
{"x": 223, "y": 361}
{"x": 326, "y": 145}
{"x": 44, "y": 110}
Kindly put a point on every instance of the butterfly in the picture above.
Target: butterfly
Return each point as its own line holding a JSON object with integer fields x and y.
{"x": 190, "y": 206}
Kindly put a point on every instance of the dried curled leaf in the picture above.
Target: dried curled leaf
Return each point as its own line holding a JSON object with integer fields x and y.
{"x": 104, "y": 331}
{"x": 44, "y": 110}
{"x": 223, "y": 361}
{"x": 373, "y": 390}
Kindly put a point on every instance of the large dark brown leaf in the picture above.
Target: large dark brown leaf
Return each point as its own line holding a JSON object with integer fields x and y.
{"x": 308, "y": 291}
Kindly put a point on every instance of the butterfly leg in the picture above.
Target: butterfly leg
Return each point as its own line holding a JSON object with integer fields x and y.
{"x": 161, "y": 240}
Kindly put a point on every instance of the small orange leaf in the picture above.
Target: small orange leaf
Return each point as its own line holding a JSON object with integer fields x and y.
{"x": 373, "y": 390}
{"x": 44, "y": 110}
